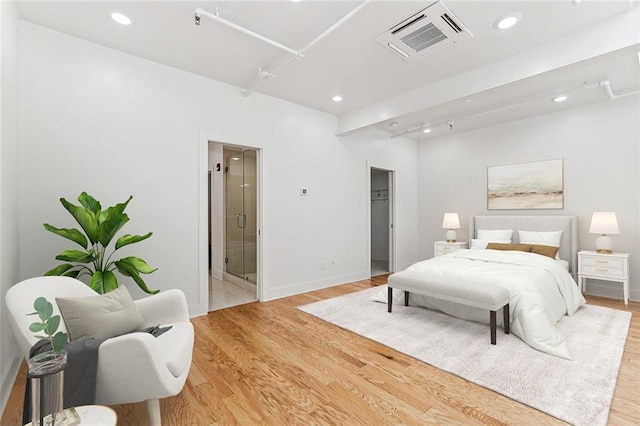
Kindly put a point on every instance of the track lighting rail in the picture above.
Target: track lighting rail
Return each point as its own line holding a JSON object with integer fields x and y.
{"x": 450, "y": 121}
{"x": 199, "y": 13}
{"x": 263, "y": 72}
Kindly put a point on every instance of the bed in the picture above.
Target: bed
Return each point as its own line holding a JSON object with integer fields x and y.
{"x": 542, "y": 288}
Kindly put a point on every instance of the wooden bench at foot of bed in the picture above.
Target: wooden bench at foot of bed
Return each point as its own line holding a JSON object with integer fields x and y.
{"x": 483, "y": 296}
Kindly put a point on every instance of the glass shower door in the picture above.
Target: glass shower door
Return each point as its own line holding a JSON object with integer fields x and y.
{"x": 241, "y": 224}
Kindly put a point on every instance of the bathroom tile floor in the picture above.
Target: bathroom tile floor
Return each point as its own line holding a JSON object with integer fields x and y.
{"x": 223, "y": 294}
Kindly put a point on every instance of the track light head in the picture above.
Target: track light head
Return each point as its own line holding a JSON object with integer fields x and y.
{"x": 196, "y": 19}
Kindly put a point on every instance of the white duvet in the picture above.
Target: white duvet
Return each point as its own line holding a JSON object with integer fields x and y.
{"x": 542, "y": 292}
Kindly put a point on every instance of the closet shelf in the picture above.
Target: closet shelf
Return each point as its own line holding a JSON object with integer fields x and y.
{"x": 379, "y": 195}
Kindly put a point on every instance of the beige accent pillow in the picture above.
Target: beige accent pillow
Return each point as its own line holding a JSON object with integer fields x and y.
{"x": 530, "y": 248}
{"x": 548, "y": 251}
{"x": 102, "y": 317}
{"x": 500, "y": 246}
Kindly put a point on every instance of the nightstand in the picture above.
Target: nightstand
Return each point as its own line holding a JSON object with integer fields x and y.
{"x": 443, "y": 247}
{"x": 608, "y": 267}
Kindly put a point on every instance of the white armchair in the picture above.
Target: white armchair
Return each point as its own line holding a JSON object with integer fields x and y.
{"x": 134, "y": 367}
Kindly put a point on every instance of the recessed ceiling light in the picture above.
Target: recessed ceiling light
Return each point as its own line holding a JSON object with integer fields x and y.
{"x": 235, "y": 158}
{"x": 469, "y": 101}
{"x": 121, "y": 18}
{"x": 337, "y": 98}
{"x": 507, "y": 21}
{"x": 426, "y": 130}
{"x": 393, "y": 124}
{"x": 560, "y": 98}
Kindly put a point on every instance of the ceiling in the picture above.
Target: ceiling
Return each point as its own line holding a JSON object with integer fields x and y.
{"x": 494, "y": 76}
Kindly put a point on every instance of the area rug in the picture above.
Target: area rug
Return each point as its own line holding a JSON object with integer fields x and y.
{"x": 577, "y": 391}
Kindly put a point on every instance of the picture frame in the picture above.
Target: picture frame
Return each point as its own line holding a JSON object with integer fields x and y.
{"x": 524, "y": 186}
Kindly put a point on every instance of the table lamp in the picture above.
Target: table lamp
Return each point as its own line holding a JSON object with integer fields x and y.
{"x": 604, "y": 223}
{"x": 451, "y": 222}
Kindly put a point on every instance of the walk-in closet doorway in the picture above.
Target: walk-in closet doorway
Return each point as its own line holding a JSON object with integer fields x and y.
{"x": 382, "y": 246}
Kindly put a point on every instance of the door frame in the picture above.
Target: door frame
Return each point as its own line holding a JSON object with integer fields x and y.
{"x": 392, "y": 216}
{"x": 203, "y": 226}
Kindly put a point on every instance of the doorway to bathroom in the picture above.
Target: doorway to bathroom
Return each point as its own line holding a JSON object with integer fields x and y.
{"x": 233, "y": 225}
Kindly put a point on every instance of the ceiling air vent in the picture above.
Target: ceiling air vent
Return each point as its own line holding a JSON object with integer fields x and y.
{"x": 425, "y": 32}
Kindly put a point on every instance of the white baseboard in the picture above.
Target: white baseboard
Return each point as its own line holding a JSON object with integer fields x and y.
{"x": 217, "y": 274}
{"x": 299, "y": 288}
{"x": 610, "y": 290}
{"x": 404, "y": 266}
{"x": 8, "y": 381}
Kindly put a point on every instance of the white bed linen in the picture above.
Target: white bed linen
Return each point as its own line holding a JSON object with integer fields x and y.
{"x": 542, "y": 292}
{"x": 563, "y": 263}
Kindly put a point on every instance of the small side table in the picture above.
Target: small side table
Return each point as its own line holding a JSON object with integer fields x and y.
{"x": 97, "y": 415}
{"x": 90, "y": 415}
{"x": 608, "y": 267}
{"x": 443, "y": 247}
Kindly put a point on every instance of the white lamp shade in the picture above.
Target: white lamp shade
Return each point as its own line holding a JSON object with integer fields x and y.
{"x": 451, "y": 221}
{"x": 604, "y": 223}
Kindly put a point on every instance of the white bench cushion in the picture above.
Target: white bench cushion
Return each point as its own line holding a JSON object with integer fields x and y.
{"x": 483, "y": 296}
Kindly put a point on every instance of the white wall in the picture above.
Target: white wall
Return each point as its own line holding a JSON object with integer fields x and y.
{"x": 375, "y": 149}
{"x": 599, "y": 145}
{"x": 8, "y": 188}
{"x": 113, "y": 125}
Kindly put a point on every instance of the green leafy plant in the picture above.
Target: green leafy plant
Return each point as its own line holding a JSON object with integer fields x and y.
{"x": 48, "y": 324}
{"x": 100, "y": 228}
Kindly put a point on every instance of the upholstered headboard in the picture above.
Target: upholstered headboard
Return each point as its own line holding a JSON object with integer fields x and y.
{"x": 567, "y": 224}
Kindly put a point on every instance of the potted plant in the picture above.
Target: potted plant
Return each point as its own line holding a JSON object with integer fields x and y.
{"x": 48, "y": 324}
{"x": 45, "y": 370}
{"x": 100, "y": 228}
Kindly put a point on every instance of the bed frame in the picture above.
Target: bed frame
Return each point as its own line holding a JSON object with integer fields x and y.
{"x": 567, "y": 224}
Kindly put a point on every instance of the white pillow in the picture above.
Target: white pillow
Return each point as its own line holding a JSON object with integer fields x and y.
{"x": 101, "y": 316}
{"x": 495, "y": 235}
{"x": 479, "y": 244}
{"x": 551, "y": 238}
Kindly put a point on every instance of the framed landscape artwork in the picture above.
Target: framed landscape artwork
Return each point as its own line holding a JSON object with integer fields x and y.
{"x": 536, "y": 185}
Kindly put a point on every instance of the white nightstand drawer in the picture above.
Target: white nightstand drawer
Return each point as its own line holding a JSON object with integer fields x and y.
{"x": 603, "y": 270}
{"x": 443, "y": 247}
{"x": 446, "y": 249}
{"x": 599, "y": 262}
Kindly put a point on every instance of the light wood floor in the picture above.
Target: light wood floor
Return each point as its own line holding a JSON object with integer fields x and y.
{"x": 269, "y": 363}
